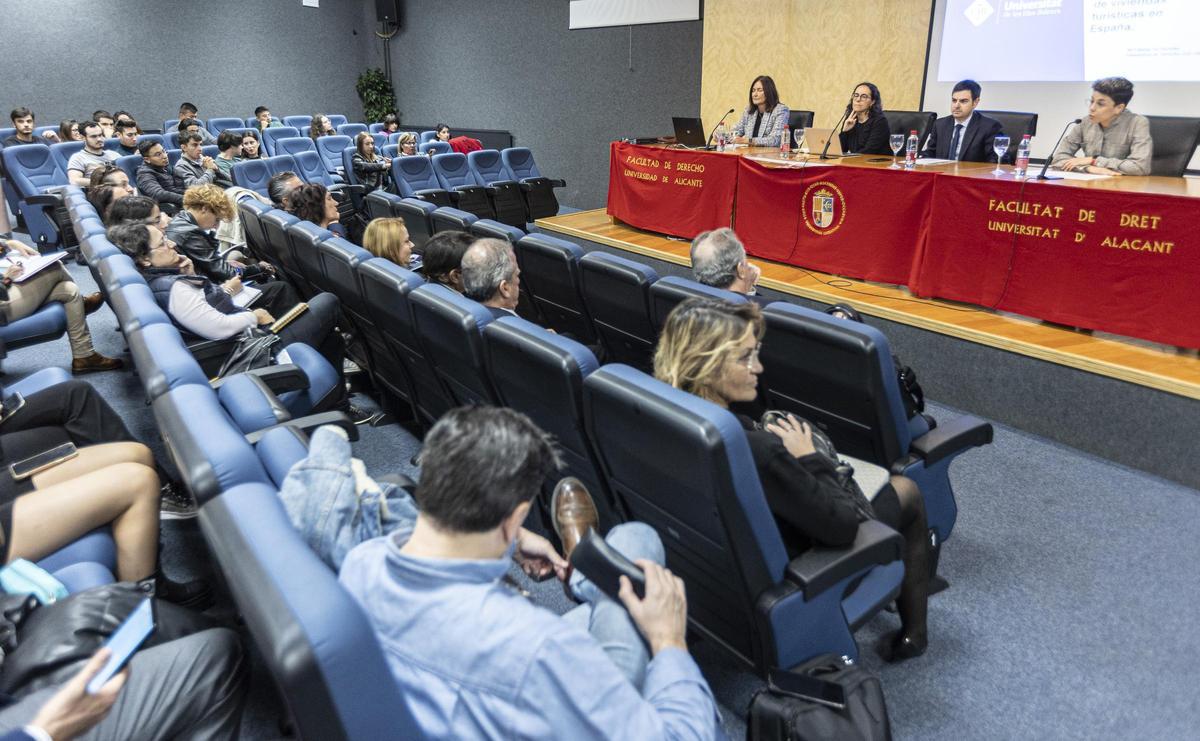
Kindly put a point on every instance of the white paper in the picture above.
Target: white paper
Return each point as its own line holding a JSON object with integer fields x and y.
{"x": 1078, "y": 175}
{"x": 933, "y": 161}
{"x": 34, "y": 265}
{"x": 243, "y": 297}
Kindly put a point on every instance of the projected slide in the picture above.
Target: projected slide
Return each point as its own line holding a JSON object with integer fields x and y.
{"x": 1070, "y": 40}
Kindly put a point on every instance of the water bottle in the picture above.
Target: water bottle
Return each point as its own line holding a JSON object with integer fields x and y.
{"x": 1023, "y": 157}
{"x": 910, "y": 153}
{"x": 785, "y": 143}
{"x": 721, "y": 137}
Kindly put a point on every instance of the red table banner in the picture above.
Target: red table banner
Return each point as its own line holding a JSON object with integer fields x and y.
{"x": 858, "y": 222}
{"x": 671, "y": 191}
{"x": 1121, "y": 262}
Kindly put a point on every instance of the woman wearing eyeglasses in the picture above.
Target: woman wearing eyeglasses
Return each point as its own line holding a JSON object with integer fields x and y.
{"x": 762, "y": 122}
{"x": 866, "y": 128}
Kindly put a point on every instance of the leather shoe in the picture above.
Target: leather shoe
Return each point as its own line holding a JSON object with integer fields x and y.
{"x": 92, "y": 302}
{"x": 573, "y": 513}
{"x": 95, "y": 363}
{"x": 896, "y": 646}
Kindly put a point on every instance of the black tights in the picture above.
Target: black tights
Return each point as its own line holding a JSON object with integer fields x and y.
{"x": 913, "y": 602}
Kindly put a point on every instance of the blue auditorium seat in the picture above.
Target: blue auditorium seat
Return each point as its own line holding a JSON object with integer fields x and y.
{"x": 351, "y": 178}
{"x": 539, "y": 191}
{"x": 293, "y": 144}
{"x": 550, "y": 272}
{"x": 339, "y": 259}
{"x": 330, "y": 148}
{"x": 389, "y": 150}
{"x": 217, "y": 125}
{"x": 426, "y": 136}
{"x": 387, "y": 288}
{"x": 381, "y": 141}
{"x": 279, "y": 449}
{"x": 252, "y": 174}
{"x": 31, "y": 169}
{"x": 116, "y": 271}
{"x": 272, "y": 135}
{"x": 135, "y": 307}
{"x": 250, "y": 210}
{"x": 210, "y": 150}
{"x": 336, "y": 119}
{"x": 8, "y": 131}
{"x": 671, "y": 290}
{"x": 281, "y": 163}
{"x": 304, "y": 237}
{"x": 466, "y": 192}
{"x": 683, "y": 466}
{"x": 172, "y": 124}
{"x": 311, "y": 169}
{"x": 162, "y": 359}
{"x": 296, "y": 122}
{"x": 322, "y": 388}
{"x": 445, "y": 218}
{"x": 87, "y": 562}
{"x": 414, "y": 178}
{"x": 173, "y": 156}
{"x": 388, "y": 368}
{"x": 417, "y": 215}
{"x": 450, "y": 327}
{"x": 152, "y": 138}
{"x": 351, "y": 129}
{"x": 502, "y": 186}
{"x": 839, "y": 375}
{"x": 275, "y": 225}
{"x": 130, "y": 163}
{"x": 433, "y": 147}
{"x": 171, "y": 139}
{"x": 47, "y": 323}
{"x": 616, "y": 292}
{"x": 493, "y": 229}
{"x": 378, "y": 204}
{"x": 375, "y": 128}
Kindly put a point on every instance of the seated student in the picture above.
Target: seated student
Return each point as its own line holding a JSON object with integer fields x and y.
{"x": 157, "y": 180}
{"x": 114, "y": 177}
{"x": 106, "y": 121}
{"x": 372, "y": 170}
{"x": 120, "y": 116}
{"x": 443, "y": 256}
{"x": 387, "y": 237}
{"x": 490, "y": 275}
{"x": 93, "y": 154}
{"x": 19, "y": 300}
{"x": 263, "y": 120}
{"x": 101, "y": 198}
{"x": 68, "y": 130}
{"x": 204, "y": 206}
{"x": 229, "y": 142}
{"x": 473, "y": 658}
{"x": 280, "y": 187}
{"x": 719, "y": 260}
{"x": 763, "y": 120}
{"x": 1113, "y": 139}
{"x": 442, "y": 131}
{"x": 251, "y": 148}
{"x": 137, "y": 208}
{"x": 196, "y": 168}
{"x": 391, "y": 124}
{"x": 314, "y": 203}
{"x": 205, "y": 309}
{"x": 188, "y": 113}
{"x": 407, "y": 143}
{"x": 965, "y": 135}
{"x": 320, "y": 126}
{"x": 127, "y": 138}
{"x": 710, "y": 348}
{"x": 22, "y": 120}
{"x": 866, "y": 128}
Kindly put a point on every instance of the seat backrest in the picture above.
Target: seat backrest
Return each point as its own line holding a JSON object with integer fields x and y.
{"x": 434, "y": 147}
{"x": 210, "y": 150}
{"x": 330, "y": 148}
{"x": 296, "y": 122}
{"x": 217, "y": 125}
{"x": 495, "y": 230}
{"x": 252, "y": 174}
{"x": 801, "y": 119}
{"x": 375, "y": 128}
{"x": 450, "y": 328}
{"x": 294, "y": 144}
{"x": 311, "y": 168}
{"x": 250, "y": 209}
{"x": 616, "y": 292}
{"x": 381, "y": 141}
{"x": 1015, "y": 124}
{"x": 130, "y": 163}
{"x": 282, "y": 163}
{"x": 152, "y": 138}
{"x": 304, "y": 239}
{"x": 446, "y": 218}
{"x": 135, "y": 307}
{"x": 838, "y": 374}
{"x": 171, "y": 139}
{"x": 162, "y": 360}
{"x": 275, "y": 224}
{"x": 348, "y": 165}
{"x": 388, "y": 150}
{"x": 519, "y": 161}
{"x": 340, "y": 259}
{"x": 683, "y": 466}
{"x": 272, "y": 135}
{"x": 62, "y": 152}
{"x": 173, "y": 157}
{"x": 452, "y": 171}
{"x": 488, "y": 166}
{"x": 902, "y": 122}
{"x": 172, "y": 124}
{"x": 671, "y": 290}
{"x": 6, "y": 132}
{"x": 336, "y": 119}
{"x": 314, "y": 638}
{"x": 1175, "y": 140}
{"x": 550, "y": 272}
{"x": 414, "y": 173}
{"x": 351, "y": 129}
{"x": 426, "y": 136}
{"x": 31, "y": 167}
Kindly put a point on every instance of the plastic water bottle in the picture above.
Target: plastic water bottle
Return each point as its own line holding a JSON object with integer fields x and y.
{"x": 1023, "y": 157}
{"x": 721, "y": 135}
{"x": 785, "y": 143}
{"x": 910, "y": 153}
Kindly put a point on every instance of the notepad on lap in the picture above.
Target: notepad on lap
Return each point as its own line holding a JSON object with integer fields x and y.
{"x": 33, "y": 265}
{"x": 246, "y": 296}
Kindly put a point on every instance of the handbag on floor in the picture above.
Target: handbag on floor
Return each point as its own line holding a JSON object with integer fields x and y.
{"x": 829, "y": 698}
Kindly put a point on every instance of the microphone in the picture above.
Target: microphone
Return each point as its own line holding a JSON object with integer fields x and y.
{"x": 836, "y": 131}
{"x": 1042, "y": 175}
{"x": 708, "y": 141}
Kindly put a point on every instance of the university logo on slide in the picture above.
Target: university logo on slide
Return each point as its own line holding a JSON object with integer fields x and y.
{"x": 824, "y": 207}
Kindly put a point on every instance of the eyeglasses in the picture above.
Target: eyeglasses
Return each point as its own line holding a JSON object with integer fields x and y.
{"x": 861, "y": 96}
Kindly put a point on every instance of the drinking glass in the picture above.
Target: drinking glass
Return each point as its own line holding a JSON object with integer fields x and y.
{"x": 999, "y": 146}
{"x": 897, "y": 142}
{"x": 798, "y": 134}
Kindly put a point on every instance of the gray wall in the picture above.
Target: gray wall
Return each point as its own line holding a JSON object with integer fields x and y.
{"x": 148, "y": 56}
{"x": 565, "y": 94}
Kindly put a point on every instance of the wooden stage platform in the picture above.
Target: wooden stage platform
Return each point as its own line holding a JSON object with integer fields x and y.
{"x": 1134, "y": 361}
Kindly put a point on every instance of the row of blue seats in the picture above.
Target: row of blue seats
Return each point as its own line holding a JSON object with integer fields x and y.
{"x": 233, "y": 445}
{"x": 220, "y": 123}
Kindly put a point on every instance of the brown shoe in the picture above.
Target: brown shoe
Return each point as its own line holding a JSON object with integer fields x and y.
{"x": 95, "y": 363}
{"x": 573, "y": 513}
{"x": 92, "y": 302}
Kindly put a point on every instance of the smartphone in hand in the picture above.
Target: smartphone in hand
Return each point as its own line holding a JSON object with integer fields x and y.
{"x": 124, "y": 642}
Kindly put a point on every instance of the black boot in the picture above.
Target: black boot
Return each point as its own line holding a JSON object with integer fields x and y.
{"x": 196, "y": 594}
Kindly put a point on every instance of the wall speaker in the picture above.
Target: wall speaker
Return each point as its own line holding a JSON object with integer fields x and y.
{"x": 388, "y": 11}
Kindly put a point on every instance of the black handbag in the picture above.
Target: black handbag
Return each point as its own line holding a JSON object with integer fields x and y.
{"x": 829, "y": 698}
{"x": 254, "y": 349}
{"x": 843, "y": 472}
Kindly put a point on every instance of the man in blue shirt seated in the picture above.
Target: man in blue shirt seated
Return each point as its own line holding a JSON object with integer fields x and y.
{"x": 474, "y": 658}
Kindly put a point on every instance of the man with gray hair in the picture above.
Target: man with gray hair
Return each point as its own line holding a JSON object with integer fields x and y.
{"x": 490, "y": 276}
{"x": 719, "y": 260}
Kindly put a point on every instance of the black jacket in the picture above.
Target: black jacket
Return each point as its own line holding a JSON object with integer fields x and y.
{"x": 977, "y": 141}
{"x": 164, "y": 186}
{"x": 868, "y": 138}
{"x": 203, "y": 250}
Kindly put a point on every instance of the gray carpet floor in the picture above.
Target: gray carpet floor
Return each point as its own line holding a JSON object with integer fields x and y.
{"x": 1071, "y": 611}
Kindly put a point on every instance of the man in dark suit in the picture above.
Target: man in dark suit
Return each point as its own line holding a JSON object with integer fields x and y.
{"x": 490, "y": 275}
{"x": 963, "y": 135}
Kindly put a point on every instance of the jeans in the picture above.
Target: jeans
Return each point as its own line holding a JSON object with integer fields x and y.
{"x": 607, "y": 620}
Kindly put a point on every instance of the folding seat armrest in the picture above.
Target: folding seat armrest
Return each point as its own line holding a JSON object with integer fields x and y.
{"x": 347, "y": 188}
{"x": 951, "y": 437}
{"x": 278, "y": 378}
{"x": 557, "y": 183}
{"x": 429, "y": 194}
{"x": 45, "y": 199}
{"x": 820, "y": 568}
{"x": 309, "y": 423}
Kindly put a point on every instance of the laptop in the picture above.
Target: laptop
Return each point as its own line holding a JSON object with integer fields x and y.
{"x": 815, "y": 139}
{"x": 689, "y": 132}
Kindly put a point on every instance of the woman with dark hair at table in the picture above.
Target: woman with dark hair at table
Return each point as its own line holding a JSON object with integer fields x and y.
{"x": 763, "y": 120}
{"x": 866, "y": 128}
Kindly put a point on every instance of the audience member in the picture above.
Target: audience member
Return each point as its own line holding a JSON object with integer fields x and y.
{"x": 387, "y": 237}
{"x": 490, "y": 275}
{"x": 141, "y": 209}
{"x": 475, "y": 658}
{"x": 105, "y": 119}
{"x": 127, "y": 137}
{"x": 196, "y": 168}
{"x": 101, "y": 198}
{"x": 93, "y": 154}
{"x": 120, "y": 116}
{"x": 313, "y": 202}
{"x": 229, "y": 142}
{"x": 191, "y": 230}
{"x": 280, "y": 187}
{"x": 408, "y": 143}
{"x": 263, "y": 120}
{"x": 719, "y": 260}
{"x": 68, "y": 131}
{"x": 320, "y": 126}
{"x": 372, "y": 170}
{"x": 443, "y": 132}
{"x": 156, "y": 179}
{"x": 443, "y": 258}
{"x": 22, "y": 120}
{"x": 391, "y": 124}
{"x": 114, "y": 176}
{"x": 1113, "y": 139}
{"x": 189, "y": 113}
{"x": 250, "y": 145}
{"x": 19, "y": 300}
{"x": 710, "y": 348}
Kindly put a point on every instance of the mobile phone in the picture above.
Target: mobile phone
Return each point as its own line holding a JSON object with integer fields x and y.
{"x": 811, "y": 688}
{"x": 124, "y": 642}
{"x": 10, "y": 405}
{"x": 604, "y": 566}
{"x": 40, "y": 462}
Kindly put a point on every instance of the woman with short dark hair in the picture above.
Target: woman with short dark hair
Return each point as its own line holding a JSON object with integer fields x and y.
{"x": 314, "y": 203}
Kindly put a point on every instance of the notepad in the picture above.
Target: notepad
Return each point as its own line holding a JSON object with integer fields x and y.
{"x": 246, "y": 296}
{"x": 32, "y": 265}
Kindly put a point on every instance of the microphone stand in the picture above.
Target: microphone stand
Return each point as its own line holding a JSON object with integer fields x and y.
{"x": 837, "y": 131}
{"x": 1042, "y": 175}
{"x": 708, "y": 141}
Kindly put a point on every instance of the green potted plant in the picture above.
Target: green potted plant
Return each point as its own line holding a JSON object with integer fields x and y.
{"x": 376, "y": 94}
